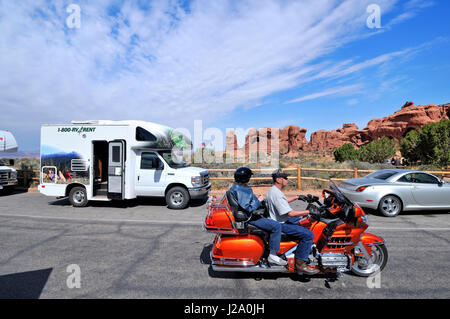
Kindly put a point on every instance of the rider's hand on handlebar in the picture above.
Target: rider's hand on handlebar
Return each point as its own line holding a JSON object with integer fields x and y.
{"x": 314, "y": 213}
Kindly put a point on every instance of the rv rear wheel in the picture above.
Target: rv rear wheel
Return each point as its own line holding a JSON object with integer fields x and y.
{"x": 78, "y": 196}
{"x": 177, "y": 197}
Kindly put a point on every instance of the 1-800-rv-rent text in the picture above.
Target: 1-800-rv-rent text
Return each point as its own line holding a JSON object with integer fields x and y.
{"x": 114, "y": 160}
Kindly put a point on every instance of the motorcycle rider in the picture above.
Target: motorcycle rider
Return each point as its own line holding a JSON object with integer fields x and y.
{"x": 281, "y": 211}
{"x": 249, "y": 202}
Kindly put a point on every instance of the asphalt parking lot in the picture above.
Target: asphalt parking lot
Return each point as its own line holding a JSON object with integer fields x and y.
{"x": 141, "y": 249}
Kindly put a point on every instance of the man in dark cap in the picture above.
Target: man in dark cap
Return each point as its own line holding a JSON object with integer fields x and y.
{"x": 281, "y": 211}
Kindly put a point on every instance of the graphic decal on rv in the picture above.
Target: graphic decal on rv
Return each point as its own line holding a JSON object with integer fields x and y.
{"x": 62, "y": 167}
{"x": 178, "y": 140}
{"x": 76, "y": 129}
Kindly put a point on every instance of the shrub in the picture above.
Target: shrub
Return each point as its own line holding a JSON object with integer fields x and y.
{"x": 346, "y": 152}
{"x": 377, "y": 151}
{"x": 430, "y": 145}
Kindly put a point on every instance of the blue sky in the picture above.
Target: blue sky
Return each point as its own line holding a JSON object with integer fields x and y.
{"x": 311, "y": 63}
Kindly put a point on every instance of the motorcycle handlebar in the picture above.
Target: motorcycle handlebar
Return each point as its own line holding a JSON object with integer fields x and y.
{"x": 310, "y": 199}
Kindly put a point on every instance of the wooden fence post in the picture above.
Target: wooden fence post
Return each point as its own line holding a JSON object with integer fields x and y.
{"x": 299, "y": 177}
{"x": 355, "y": 175}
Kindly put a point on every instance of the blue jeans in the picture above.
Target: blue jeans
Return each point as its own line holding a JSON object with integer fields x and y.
{"x": 274, "y": 228}
{"x": 291, "y": 227}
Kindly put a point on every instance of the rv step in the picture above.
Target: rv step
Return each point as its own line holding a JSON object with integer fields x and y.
{"x": 103, "y": 185}
{"x": 101, "y": 192}
{"x": 101, "y": 198}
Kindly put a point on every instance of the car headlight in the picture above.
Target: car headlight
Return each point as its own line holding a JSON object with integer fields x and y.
{"x": 196, "y": 181}
{"x": 13, "y": 175}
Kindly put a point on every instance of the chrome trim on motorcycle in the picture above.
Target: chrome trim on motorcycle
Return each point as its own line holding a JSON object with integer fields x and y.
{"x": 256, "y": 268}
{"x": 377, "y": 243}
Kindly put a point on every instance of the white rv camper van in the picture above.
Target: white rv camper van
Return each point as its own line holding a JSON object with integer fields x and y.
{"x": 114, "y": 160}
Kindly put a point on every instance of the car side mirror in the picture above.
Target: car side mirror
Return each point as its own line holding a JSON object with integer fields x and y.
{"x": 440, "y": 182}
{"x": 11, "y": 162}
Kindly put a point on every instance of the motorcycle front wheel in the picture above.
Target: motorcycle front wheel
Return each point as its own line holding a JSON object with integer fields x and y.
{"x": 366, "y": 267}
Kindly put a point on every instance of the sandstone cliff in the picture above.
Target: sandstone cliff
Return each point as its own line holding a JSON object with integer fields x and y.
{"x": 292, "y": 139}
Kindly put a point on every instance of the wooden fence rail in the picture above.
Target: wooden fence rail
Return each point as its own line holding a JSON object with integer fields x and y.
{"x": 298, "y": 169}
{"x": 28, "y": 176}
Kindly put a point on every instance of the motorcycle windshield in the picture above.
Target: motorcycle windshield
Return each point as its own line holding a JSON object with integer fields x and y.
{"x": 339, "y": 194}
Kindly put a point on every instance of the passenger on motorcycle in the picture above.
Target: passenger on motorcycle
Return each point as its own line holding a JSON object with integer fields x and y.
{"x": 281, "y": 211}
{"x": 249, "y": 202}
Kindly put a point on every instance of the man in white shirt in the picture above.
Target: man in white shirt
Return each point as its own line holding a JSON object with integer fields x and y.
{"x": 281, "y": 211}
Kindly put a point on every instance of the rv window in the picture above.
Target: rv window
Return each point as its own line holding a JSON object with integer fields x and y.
{"x": 116, "y": 154}
{"x": 144, "y": 135}
{"x": 150, "y": 161}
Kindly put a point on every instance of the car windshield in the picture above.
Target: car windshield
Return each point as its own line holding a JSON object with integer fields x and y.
{"x": 173, "y": 159}
{"x": 381, "y": 174}
{"x": 1, "y": 163}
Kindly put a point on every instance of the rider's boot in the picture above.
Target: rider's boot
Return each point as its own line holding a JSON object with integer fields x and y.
{"x": 303, "y": 269}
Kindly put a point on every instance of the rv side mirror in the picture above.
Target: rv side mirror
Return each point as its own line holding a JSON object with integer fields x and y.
{"x": 160, "y": 166}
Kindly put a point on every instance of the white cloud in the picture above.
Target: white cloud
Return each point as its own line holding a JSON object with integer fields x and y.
{"x": 411, "y": 9}
{"x": 163, "y": 63}
{"x": 341, "y": 90}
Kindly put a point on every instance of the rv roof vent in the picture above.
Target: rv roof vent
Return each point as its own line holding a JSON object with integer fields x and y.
{"x": 85, "y": 122}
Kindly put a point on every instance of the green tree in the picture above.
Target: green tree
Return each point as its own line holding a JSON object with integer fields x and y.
{"x": 409, "y": 146}
{"x": 377, "y": 151}
{"x": 430, "y": 145}
{"x": 346, "y": 152}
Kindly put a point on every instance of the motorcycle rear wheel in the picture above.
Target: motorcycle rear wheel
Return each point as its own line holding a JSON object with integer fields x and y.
{"x": 365, "y": 268}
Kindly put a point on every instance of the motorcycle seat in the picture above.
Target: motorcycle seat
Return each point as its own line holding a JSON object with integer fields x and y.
{"x": 331, "y": 221}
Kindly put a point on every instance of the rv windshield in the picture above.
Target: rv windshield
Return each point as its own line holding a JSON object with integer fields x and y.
{"x": 173, "y": 160}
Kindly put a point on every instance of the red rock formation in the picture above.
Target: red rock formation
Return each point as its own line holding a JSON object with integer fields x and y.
{"x": 409, "y": 117}
{"x": 292, "y": 139}
{"x": 397, "y": 125}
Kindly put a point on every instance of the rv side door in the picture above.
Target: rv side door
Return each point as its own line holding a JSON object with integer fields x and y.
{"x": 116, "y": 173}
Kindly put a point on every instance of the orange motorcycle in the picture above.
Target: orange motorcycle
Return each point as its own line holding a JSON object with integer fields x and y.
{"x": 340, "y": 241}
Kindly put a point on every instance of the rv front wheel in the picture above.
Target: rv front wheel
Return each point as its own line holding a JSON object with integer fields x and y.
{"x": 177, "y": 197}
{"x": 78, "y": 196}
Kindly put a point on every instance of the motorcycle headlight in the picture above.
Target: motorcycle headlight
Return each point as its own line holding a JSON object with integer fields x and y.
{"x": 196, "y": 181}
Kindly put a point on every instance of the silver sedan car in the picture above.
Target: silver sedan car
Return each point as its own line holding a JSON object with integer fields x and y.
{"x": 392, "y": 191}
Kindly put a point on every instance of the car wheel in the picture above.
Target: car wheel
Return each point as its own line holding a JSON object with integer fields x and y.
{"x": 390, "y": 206}
{"x": 177, "y": 197}
{"x": 78, "y": 196}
